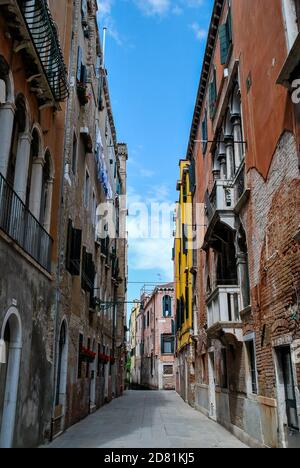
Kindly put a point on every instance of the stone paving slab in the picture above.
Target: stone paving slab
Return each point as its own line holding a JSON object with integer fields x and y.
{"x": 142, "y": 419}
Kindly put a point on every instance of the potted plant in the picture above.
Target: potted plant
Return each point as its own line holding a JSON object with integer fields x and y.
{"x": 87, "y": 355}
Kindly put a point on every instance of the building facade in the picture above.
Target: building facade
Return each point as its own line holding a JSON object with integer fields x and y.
{"x": 183, "y": 256}
{"x": 152, "y": 333}
{"x": 90, "y": 329}
{"x": 244, "y": 143}
{"x": 34, "y": 47}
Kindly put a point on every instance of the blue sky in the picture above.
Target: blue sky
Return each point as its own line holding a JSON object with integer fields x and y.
{"x": 154, "y": 56}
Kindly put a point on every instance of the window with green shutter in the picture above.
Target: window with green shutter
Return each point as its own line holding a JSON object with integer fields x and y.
{"x": 204, "y": 132}
{"x": 192, "y": 175}
{"x": 213, "y": 93}
{"x": 225, "y": 35}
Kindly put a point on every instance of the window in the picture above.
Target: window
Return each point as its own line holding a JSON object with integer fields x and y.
{"x": 187, "y": 302}
{"x": 81, "y": 68}
{"x": 99, "y": 362}
{"x": 213, "y": 95}
{"x": 80, "y": 346}
{"x": 168, "y": 370}
{"x": 224, "y": 371}
{"x": 291, "y": 12}
{"x": 204, "y": 132}
{"x": 87, "y": 367}
{"x": 192, "y": 175}
{"x": 94, "y": 210}
{"x": 148, "y": 319}
{"x": 73, "y": 254}
{"x": 167, "y": 306}
{"x": 252, "y": 365}
{"x": 225, "y": 35}
{"x": 88, "y": 272}
{"x": 87, "y": 190}
{"x": 167, "y": 344}
{"x": 74, "y": 154}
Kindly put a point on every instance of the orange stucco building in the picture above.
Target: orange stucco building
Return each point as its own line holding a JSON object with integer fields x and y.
{"x": 244, "y": 143}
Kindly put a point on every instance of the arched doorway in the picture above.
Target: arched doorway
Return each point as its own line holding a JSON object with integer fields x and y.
{"x": 11, "y": 333}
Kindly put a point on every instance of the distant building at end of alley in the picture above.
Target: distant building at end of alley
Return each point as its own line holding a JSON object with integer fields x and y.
{"x": 152, "y": 330}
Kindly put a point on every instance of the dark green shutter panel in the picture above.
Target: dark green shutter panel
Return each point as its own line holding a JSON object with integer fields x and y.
{"x": 224, "y": 43}
{"x": 162, "y": 344}
{"x": 69, "y": 246}
{"x": 229, "y": 27}
{"x": 192, "y": 175}
{"x": 172, "y": 346}
{"x": 76, "y": 251}
{"x": 79, "y": 64}
{"x": 173, "y": 327}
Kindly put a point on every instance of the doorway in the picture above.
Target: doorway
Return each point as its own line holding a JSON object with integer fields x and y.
{"x": 288, "y": 411}
{"x": 212, "y": 386}
{"x": 12, "y": 335}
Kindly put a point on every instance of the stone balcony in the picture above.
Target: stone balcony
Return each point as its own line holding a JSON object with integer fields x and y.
{"x": 35, "y": 37}
{"x": 223, "y": 313}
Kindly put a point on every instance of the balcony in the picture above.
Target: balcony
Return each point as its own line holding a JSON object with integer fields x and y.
{"x": 223, "y": 312}
{"x": 22, "y": 227}
{"x": 36, "y": 39}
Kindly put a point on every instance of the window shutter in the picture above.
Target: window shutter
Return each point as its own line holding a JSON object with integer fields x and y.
{"x": 69, "y": 246}
{"x": 172, "y": 346}
{"x": 84, "y": 74}
{"x": 162, "y": 344}
{"x": 84, "y": 8}
{"x": 83, "y": 272}
{"x": 229, "y": 27}
{"x": 192, "y": 175}
{"x": 79, "y": 64}
{"x": 204, "y": 133}
{"x": 173, "y": 327}
{"x": 224, "y": 43}
{"x": 213, "y": 96}
{"x": 76, "y": 251}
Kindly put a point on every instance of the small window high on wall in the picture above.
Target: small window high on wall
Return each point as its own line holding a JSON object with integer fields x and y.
{"x": 167, "y": 306}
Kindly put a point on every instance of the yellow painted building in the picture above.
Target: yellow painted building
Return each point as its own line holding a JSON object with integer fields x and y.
{"x": 183, "y": 256}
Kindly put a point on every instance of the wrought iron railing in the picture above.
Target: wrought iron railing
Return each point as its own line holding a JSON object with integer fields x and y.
{"x": 240, "y": 183}
{"x": 43, "y": 32}
{"x": 22, "y": 227}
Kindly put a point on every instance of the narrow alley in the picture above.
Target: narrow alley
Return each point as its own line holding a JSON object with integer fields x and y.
{"x": 147, "y": 419}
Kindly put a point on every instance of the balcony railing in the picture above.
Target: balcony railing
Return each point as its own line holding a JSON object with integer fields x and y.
{"x": 220, "y": 199}
{"x": 224, "y": 305}
{"x": 43, "y": 33}
{"x": 22, "y": 227}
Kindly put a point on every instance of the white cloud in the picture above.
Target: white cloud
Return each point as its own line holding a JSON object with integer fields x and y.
{"x": 150, "y": 230}
{"x": 105, "y": 19}
{"x": 154, "y": 7}
{"x": 199, "y": 32}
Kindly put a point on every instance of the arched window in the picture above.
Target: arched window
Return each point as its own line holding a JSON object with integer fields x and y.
{"x": 167, "y": 306}
{"x": 6, "y": 114}
{"x": 19, "y": 127}
{"x": 47, "y": 189}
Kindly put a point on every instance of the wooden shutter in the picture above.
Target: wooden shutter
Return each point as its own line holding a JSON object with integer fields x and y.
{"x": 213, "y": 96}
{"x": 84, "y": 8}
{"x": 83, "y": 271}
{"x": 192, "y": 175}
{"x": 162, "y": 344}
{"x": 69, "y": 246}
{"x": 229, "y": 27}
{"x": 224, "y": 43}
{"x": 76, "y": 251}
{"x": 79, "y": 64}
{"x": 204, "y": 132}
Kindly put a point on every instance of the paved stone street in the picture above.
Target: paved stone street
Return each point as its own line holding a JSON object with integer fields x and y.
{"x": 144, "y": 419}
